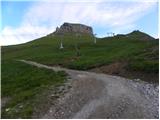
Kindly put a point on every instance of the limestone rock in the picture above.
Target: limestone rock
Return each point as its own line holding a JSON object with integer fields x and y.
{"x": 74, "y": 28}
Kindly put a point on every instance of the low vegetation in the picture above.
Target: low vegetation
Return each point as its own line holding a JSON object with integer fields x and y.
{"x": 141, "y": 55}
{"x": 22, "y": 82}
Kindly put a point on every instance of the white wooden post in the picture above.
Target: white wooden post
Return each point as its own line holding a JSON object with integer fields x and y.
{"x": 95, "y": 40}
{"x": 61, "y": 44}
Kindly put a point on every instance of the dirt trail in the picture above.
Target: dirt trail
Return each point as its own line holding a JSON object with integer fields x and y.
{"x": 95, "y": 95}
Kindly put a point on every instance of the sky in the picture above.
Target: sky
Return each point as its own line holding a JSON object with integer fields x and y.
{"x": 26, "y": 20}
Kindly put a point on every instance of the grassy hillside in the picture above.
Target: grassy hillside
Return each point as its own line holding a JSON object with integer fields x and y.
{"x": 23, "y": 86}
{"x": 139, "y": 35}
{"x": 21, "y": 82}
{"x": 141, "y": 55}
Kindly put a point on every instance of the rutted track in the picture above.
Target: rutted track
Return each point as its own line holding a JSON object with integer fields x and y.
{"x": 96, "y": 95}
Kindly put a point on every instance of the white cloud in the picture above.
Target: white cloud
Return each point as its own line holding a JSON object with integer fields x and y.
{"x": 12, "y": 36}
{"x": 102, "y": 13}
{"x": 43, "y": 17}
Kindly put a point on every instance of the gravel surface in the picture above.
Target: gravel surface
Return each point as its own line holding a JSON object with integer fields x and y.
{"x": 94, "y": 95}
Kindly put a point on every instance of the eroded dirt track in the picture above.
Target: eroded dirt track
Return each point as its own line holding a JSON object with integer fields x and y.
{"x": 96, "y": 95}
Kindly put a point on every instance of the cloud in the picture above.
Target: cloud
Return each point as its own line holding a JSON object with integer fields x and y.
{"x": 43, "y": 17}
{"x": 102, "y": 13}
{"x": 22, "y": 34}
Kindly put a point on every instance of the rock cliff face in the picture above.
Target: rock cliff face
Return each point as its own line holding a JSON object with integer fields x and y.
{"x": 74, "y": 28}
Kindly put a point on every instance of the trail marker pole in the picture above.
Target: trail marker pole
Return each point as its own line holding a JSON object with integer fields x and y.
{"x": 61, "y": 44}
{"x": 95, "y": 40}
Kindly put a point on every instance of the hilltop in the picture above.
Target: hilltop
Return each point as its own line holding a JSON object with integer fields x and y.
{"x": 140, "y": 35}
{"x": 73, "y": 28}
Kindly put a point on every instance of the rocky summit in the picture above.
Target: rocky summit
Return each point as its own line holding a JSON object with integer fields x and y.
{"x": 74, "y": 28}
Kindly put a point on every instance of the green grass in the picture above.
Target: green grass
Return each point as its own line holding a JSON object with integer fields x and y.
{"x": 46, "y": 50}
{"x": 21, "y": 83}
{"x": 146, "y": 66}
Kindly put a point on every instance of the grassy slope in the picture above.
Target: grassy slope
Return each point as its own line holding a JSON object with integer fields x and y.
{"x": 22, "y": 83}
{"x": 140, "y": 56}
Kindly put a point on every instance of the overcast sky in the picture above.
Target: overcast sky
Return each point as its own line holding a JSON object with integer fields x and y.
{"x": 23, "y": 21}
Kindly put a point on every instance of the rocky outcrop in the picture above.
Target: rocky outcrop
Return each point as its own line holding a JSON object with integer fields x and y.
{"x": 74, "y": 28}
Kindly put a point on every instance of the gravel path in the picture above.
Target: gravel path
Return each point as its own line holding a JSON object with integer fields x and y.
{"x": 94, "y": 95}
